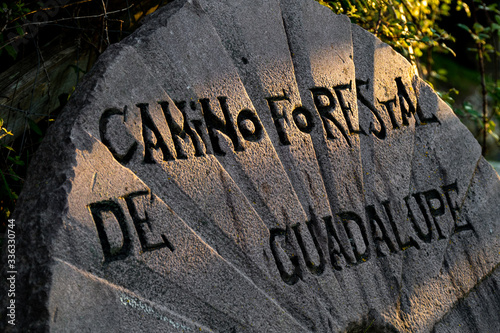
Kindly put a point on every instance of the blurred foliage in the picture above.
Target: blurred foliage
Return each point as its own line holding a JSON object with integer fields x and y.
{"x": 485, "y": 33}
{"x": 410, "y": 26}
{"x": 413, "y": 28}
{"x": 10, "y": 18}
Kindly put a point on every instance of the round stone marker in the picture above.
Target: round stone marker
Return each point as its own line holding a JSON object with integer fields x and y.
{"x": 255, "y": 166}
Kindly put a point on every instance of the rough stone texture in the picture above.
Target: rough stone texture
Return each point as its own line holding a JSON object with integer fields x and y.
{"x": 262, "y": 166}
{"x": 321, "y": 49}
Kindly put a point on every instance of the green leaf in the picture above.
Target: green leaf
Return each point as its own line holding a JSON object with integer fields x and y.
{"x": 34, "y": 127}
{"x": 483, "y": 36}
{"x": 20, "y": 31}
{"x": 443, "y": 45}
{"x": 469, "y": 109}
{"x": 13, "y": 175}
{"x": 448, "y": 98}
{"x": 463, "y": 26}
{"x": 77, "y": 69}
{"x": 11, "y": 51}
{"x": 15, "y": 160}
{"x": 489, "y": 47}
{"x": 11, "y": 194}
{"x": 477, "y": 27}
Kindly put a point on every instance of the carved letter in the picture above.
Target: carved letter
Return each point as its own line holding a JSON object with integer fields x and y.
{"x": 326, "y": 112}
{"x": 454, "y": 209}
{"x": 149, "y": 240}
{"x": 334, "y": 246}
{"x": 279, "y": 116}
{"x": 397, "y": 233}
{"x": 103, "y": 227}
{"x": 149, "y": 128}
{"x": 346, "y": 107}
{"x": 313, "y": 268}
{"x": 424, "y": 120}
{"x": 303, "y": 119}
{"x": 425, "y": 237}
{"x": 347, "y": 217}
{"x": 435, "y": 211}
{"x": 453, "y": 206}
{"x": 249, "y": 125}
{"x": 379, "y": 239}
{"x": 103, "y": 131}
{"x": 404, "y": 100}
{"x": 389, "y": 105}
{"x": 383, "y": 131}
{"x": 182, "y": 133}
{"x": 217, "y": 126}
{"x": 288, "y": 278}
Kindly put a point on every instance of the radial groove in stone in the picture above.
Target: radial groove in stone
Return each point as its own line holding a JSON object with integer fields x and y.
{"x": 264, "y": 166}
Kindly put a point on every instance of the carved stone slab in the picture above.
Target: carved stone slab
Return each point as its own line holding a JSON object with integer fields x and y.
{"x": 256, "y": 166}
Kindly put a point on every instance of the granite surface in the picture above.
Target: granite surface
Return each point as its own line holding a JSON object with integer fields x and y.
{"x": 256, "y": 166}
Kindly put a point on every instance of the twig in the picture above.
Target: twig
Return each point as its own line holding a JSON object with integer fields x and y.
{"x": 105, "y": 19}
{"x": 32, "y": 95}
{"x": 129, "y": 16}
{"x": 46, "y": 9}
{"x": 494, "y": 39}
{"x": 377, "y": 26}
{"x": 12, "y": 40}
{"x": 89, "y": 29}
{"x": 484, "y": 92}
{"x": 9, "y": 174}
{"x": 6, "y": 22}
{"x": 46, "y": 74}
{"x": 13, "y": 108}
{"x": 73, "y": 18}
{"x": 369, "y": 326}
